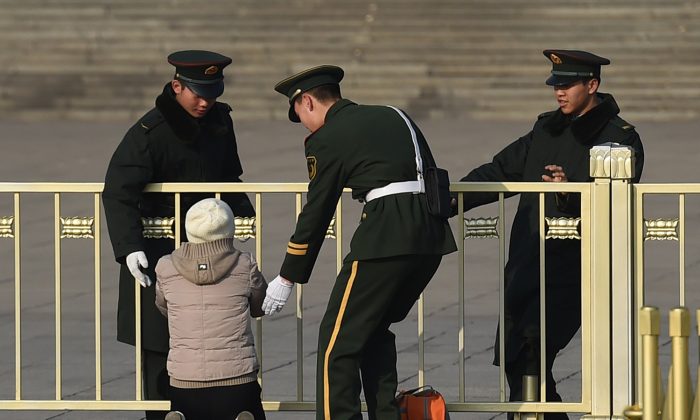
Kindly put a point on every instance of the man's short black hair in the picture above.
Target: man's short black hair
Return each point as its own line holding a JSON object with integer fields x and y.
{"x": 324, "y": 93}
{"x": 586, "y": 80}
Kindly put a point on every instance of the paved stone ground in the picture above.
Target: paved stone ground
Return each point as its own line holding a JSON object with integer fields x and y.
{"x": 273, "y": 152}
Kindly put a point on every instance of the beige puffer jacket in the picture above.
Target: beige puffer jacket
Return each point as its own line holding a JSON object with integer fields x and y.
{"x": 209, "y": 291}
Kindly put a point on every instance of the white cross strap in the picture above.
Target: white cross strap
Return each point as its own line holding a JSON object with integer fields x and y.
{"x": 415, "y": 187}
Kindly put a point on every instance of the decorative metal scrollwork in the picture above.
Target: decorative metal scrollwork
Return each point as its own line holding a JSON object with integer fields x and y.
{"x": 158, "y": 227}
{"x": 245, "y": 228}
{"x": 562, "y": 228}
{"x": 661, "y": 230}
{"x": 7, "y": 227}
{"x": 77, "y": 227}
{"x": 330, "y": 232}
{"x": 481, "y": 227}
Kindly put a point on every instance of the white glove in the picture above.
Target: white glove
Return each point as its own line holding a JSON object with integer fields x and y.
{"x": 135, "y": 261}
{"x": 278, "y": 292}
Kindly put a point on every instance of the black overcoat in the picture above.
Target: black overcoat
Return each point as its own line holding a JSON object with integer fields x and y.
{"x": 558, "y": 140}
{"x": 165, "y": 145}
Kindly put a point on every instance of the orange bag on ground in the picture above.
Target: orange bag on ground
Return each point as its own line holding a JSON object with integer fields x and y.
{"x": 422, "y": 403}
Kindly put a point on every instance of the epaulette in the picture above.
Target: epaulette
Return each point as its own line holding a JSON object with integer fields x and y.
{"x": 545, "y": 114}
{"x": 151, "y": 120}
{"x": 622, "y": 124}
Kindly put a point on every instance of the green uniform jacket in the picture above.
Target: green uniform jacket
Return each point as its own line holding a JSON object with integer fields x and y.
{"x": 365, "y": 147}
{"x": 165, "y": 145}
{"x": 558, "y": 140}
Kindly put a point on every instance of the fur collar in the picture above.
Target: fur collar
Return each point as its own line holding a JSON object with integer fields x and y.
{"x": 185, "y": 126}
{"x": 585, "y": 127}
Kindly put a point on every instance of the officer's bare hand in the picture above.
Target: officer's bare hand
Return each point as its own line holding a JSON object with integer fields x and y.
{"x": 135, "y": 261}
{"x": 554, "y": 173}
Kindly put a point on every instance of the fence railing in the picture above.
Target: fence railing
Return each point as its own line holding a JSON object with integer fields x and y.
{"x": 678, "y": 402}
{"x": 611, "y": 283}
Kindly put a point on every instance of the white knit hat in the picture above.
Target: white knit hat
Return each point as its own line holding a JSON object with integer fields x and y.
{"x": 208, "y": 220}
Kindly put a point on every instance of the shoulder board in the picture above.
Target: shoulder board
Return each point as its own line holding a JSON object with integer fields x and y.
{"x": 545, "y": 114}
{"x": 622, "y": 124}
{"x": 151, "y": 120}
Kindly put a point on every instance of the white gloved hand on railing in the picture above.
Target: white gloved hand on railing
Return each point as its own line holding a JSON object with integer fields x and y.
{"x": 278, "y": 292}
{"x": 135, "y": 261}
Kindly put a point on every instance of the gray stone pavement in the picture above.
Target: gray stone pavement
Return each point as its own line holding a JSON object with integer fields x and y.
{"x": 273, "y": 152}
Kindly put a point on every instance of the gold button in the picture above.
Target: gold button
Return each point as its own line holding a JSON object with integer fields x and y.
{"x": 364, "y": 216}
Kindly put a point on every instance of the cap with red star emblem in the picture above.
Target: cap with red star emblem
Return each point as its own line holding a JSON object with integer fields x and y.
{"x": 201, "y": 71}
{"x": 569, "y": 66}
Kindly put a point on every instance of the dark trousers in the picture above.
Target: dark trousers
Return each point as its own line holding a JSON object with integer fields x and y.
{"x": 156, "y": 383}
{"x": 218, "y": 403}
{"x": 527, "y": 363}
{"x": 356, "y": 350}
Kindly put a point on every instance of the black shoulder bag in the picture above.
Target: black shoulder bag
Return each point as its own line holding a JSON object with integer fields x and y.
{"x": 436, "y": 180}
{"x": 437, "y": 192}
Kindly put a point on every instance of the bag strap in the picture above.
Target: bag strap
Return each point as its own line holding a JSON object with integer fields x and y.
{"x": 419, "y": 161}
{"x": 419, "y": 389}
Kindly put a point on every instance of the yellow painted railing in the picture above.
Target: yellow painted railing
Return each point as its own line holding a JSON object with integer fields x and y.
{"x": 610, "y": 285}
{"x": 91, "y": 227}
{"x": 676, "y": 400}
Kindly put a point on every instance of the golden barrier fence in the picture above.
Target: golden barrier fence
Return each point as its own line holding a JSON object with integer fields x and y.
{"x": 90, "y": 227}
{"x": 678, "y": 402}
{"x": 604, "y": 202}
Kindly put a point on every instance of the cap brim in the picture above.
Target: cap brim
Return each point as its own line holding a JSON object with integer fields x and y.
{"x": 208, "y": 91}
{"x": 556, "y": 80}
{"x": 293, "y": 117}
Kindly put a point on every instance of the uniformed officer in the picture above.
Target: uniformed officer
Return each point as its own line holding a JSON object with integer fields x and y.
{"x": 380, "y": 154}
{"x": 187, "y": 137}
{"x": 555, "y": 150}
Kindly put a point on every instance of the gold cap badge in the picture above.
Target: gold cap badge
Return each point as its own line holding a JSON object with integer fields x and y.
{"x": 555, "y": 59}
{"x": 211, "y": 70}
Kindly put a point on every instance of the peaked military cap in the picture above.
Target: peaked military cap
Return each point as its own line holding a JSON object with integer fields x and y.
{"x": 569, "y": 66}
{"x": 295, "y": 85}
{"x": 201, "y": 71}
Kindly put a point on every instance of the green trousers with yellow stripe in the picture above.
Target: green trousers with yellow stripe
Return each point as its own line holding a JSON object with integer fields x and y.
{"x": 356, "y": 350}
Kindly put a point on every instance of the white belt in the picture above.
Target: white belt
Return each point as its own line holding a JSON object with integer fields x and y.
{"x": 415, "y": 187}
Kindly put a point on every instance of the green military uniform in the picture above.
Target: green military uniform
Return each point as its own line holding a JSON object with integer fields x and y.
{"x": 166, "y": 145}
{"x": 393, "y": 254}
